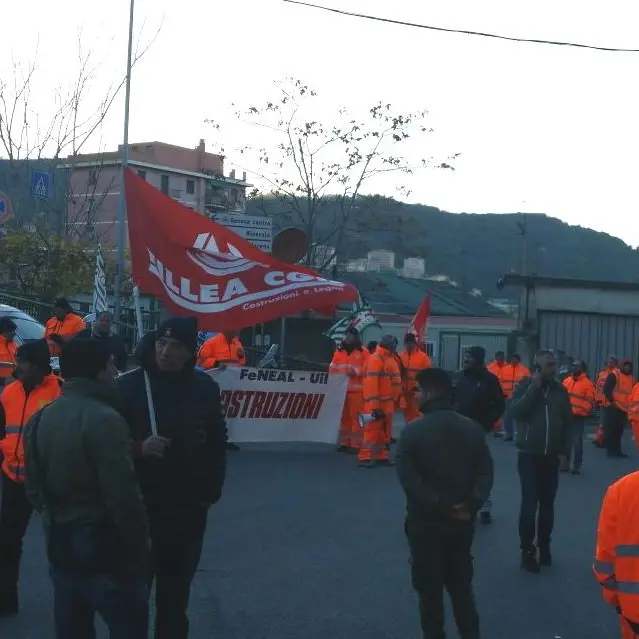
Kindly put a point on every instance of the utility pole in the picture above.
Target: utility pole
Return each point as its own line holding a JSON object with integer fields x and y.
{"x": 125, "y": 160}
{"x": 522, "y": 225}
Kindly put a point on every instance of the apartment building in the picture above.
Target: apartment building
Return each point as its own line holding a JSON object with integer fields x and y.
{"x": 193, "y": 177}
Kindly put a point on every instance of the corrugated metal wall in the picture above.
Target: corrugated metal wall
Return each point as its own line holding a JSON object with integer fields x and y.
{"x": 589, "y": 336}
{"x": 453, "y": 345}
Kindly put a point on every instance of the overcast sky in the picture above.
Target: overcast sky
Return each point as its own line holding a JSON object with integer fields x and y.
{"x": 539, "y": 128}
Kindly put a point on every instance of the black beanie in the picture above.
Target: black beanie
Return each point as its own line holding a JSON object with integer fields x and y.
{"x": 183, "y": 329}
{"x": 478, "y": 353}
{"x": 36, "y": 353}
{"x": 63, "y": 303}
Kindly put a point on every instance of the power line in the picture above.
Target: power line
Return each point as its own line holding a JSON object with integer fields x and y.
{"x": 463, "y": 31}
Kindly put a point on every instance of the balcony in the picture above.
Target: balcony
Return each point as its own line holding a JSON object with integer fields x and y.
{"x": 222, "y": 203}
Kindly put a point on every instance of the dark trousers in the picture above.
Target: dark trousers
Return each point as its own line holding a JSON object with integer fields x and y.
{"x": 441, "y": 558}
{"x": 539, "y": 477}
{"x": 577, "y": 441}
{"x": 613, "y": 421}
{"x": 15, "y": 512}
{"x": 122, "y": 601}
{"x": 176, "y": 541}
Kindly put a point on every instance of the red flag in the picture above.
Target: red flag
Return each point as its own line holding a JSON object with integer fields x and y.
{"x": 202, "y": 269}
{"x": 418, "y": 324}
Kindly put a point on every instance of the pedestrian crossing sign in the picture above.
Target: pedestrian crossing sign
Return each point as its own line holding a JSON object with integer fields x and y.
{"x": 40, "y": 185}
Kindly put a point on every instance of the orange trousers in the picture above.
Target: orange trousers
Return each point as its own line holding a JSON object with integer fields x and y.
{"x": 411, "y": 408}
{"x": 376, "y": 440}
{"x": 350, "y": 434}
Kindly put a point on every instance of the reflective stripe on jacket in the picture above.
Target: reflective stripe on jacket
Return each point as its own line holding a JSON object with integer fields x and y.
{"x": 218, "y": 350}
{"x": 413, "y": 363}
{"x": 351, "y": 364}
{"x": 582, "y": 394}
{"x": 18, "y": 408}
{"x": 616, "y": 566}
{"x": 511, "y": 375}
{"x": 382, "y": 382}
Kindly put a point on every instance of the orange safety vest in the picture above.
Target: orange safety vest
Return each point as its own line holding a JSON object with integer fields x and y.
{"x": 616, "y": 564}
{"x": 622, "y": 391}
{"x": 511, "y": 375}
{"x": 496, "y": 369}
{"x": 582, "y": 394}
{"x": 7, "y": 356}
{"x": 382, "y": 384}
{"x": 601, "y": 380}
{"x": 352, "y": 365}
{"x": 71, "y": 325}
{"x": 413, "y": 363}
{"x": 633, "y": 407}
{"x": 218, "y": 350}
{"x": 18, "y": 409}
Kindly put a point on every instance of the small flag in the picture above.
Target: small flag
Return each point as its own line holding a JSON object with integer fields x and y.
{"x": 419, "y": 323}
{"x": 100, "y": 302}
{"x": 360, "y": 318}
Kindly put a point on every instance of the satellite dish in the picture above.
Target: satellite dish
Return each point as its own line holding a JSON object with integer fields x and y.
{"x": 290, "y": 245}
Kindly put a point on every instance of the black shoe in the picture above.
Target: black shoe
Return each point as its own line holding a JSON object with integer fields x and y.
{"x": 342, "y": 449}
{"x": 367, "y": 464}
{"x": 529, "y": 561}
{"x": 232, "y": 446}
{"x": 385, "y": 462}
{"x": 9, "y": 603}
{"x": 485, "y": 518}
{"x": 545, "y": 558}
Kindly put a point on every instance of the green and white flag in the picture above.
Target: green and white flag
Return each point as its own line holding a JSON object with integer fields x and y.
{"x": 360, "y": 318}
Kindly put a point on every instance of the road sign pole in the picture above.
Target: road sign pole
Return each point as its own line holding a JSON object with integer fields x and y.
{"x": 125, "y": 160}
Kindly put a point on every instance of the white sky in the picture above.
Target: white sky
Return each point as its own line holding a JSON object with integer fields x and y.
{"x": 539, "y": 128}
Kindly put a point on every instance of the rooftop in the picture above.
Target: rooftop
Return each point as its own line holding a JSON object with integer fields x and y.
{"x": 393, "y": 294}
{"x": 530, "y": 281}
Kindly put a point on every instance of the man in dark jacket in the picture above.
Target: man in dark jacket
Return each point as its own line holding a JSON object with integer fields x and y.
{"x": 541, "y": 406}
{"x": 446, "y": 470}
{"x": 478, "y": 396}
{"x": 101, "y": 330}
{"x": 181, "y": 469}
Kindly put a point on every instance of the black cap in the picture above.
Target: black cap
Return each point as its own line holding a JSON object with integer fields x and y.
{"x": 36, "y": 353}
{"x": 63, "y": 303}
{"x": 183, "y": 329}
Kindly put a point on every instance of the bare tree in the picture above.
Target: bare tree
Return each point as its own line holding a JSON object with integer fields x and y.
{"x": 317, "y": 172}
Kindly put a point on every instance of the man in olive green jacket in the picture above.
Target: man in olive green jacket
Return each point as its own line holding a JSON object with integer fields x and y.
{"x": 80, "y": 477}
{"x": 541, "y": 408}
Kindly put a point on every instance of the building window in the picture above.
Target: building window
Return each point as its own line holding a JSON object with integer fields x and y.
{"x": 164, "y": 184}
{"x": 190, "y": 187}
{"x": 142, "y": 174}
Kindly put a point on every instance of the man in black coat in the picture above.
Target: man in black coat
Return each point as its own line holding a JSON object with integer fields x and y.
{"x": 181, "y": 469}
{"x": 446, "y": 470}
{"x": 478, "y": 395}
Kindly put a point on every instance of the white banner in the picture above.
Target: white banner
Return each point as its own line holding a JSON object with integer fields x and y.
{"x": 269, "y": 405}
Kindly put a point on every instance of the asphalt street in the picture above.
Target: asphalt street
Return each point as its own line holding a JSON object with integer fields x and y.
{"x": 305, "y": 545}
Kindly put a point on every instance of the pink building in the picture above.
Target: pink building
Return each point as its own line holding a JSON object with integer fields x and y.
{"x": 193, "y": 177}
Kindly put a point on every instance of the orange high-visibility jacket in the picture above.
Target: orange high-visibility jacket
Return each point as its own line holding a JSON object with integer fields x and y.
{"x": 218, "y": 350}
{"x": 622, "y": 391}
{"x": 352, "y": 365}
{"x": 413, "y": 363}
{"x": 601, "y": 380}
{"x": 633, "y": 407}
{"x": 616, "y": 564}
{"x": 7, "y": 356}
{"x": 18, "y": 408}
{"x": 382, "y": 382}
{"x": 511, "y": 375}
{"x": 497, "y": 369}
{"x": 71, "y": 325}
{"x": 582, "y": 394}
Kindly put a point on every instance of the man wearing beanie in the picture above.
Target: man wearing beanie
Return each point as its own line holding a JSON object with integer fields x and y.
{"x": 64, "y": 325}
{"x": 34, "y": 388}
{"x": 181, "y": 469}
{"x": 478, "y": 395}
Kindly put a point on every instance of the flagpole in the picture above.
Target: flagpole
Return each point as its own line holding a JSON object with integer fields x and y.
{"x": 125, "y": 160}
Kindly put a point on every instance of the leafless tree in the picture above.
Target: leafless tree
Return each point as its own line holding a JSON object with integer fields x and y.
{"x": 317, "y": 172}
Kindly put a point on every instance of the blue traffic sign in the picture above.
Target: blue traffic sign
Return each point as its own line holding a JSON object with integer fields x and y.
{"x": 40, "y": 185}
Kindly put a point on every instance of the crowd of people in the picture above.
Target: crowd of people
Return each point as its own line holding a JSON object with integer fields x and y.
{"x": 124, "y": 492}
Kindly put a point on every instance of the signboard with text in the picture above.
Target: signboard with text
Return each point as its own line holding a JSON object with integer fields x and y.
{"x": 256, "y": 229}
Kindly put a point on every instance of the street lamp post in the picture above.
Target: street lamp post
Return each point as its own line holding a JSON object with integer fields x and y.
{"x": 125, "y": 160}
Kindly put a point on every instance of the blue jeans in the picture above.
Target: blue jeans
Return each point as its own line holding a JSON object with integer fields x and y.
{"x": 121, "y": 600}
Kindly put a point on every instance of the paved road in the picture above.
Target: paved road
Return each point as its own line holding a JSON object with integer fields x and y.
{"x": 306, "y": 545}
